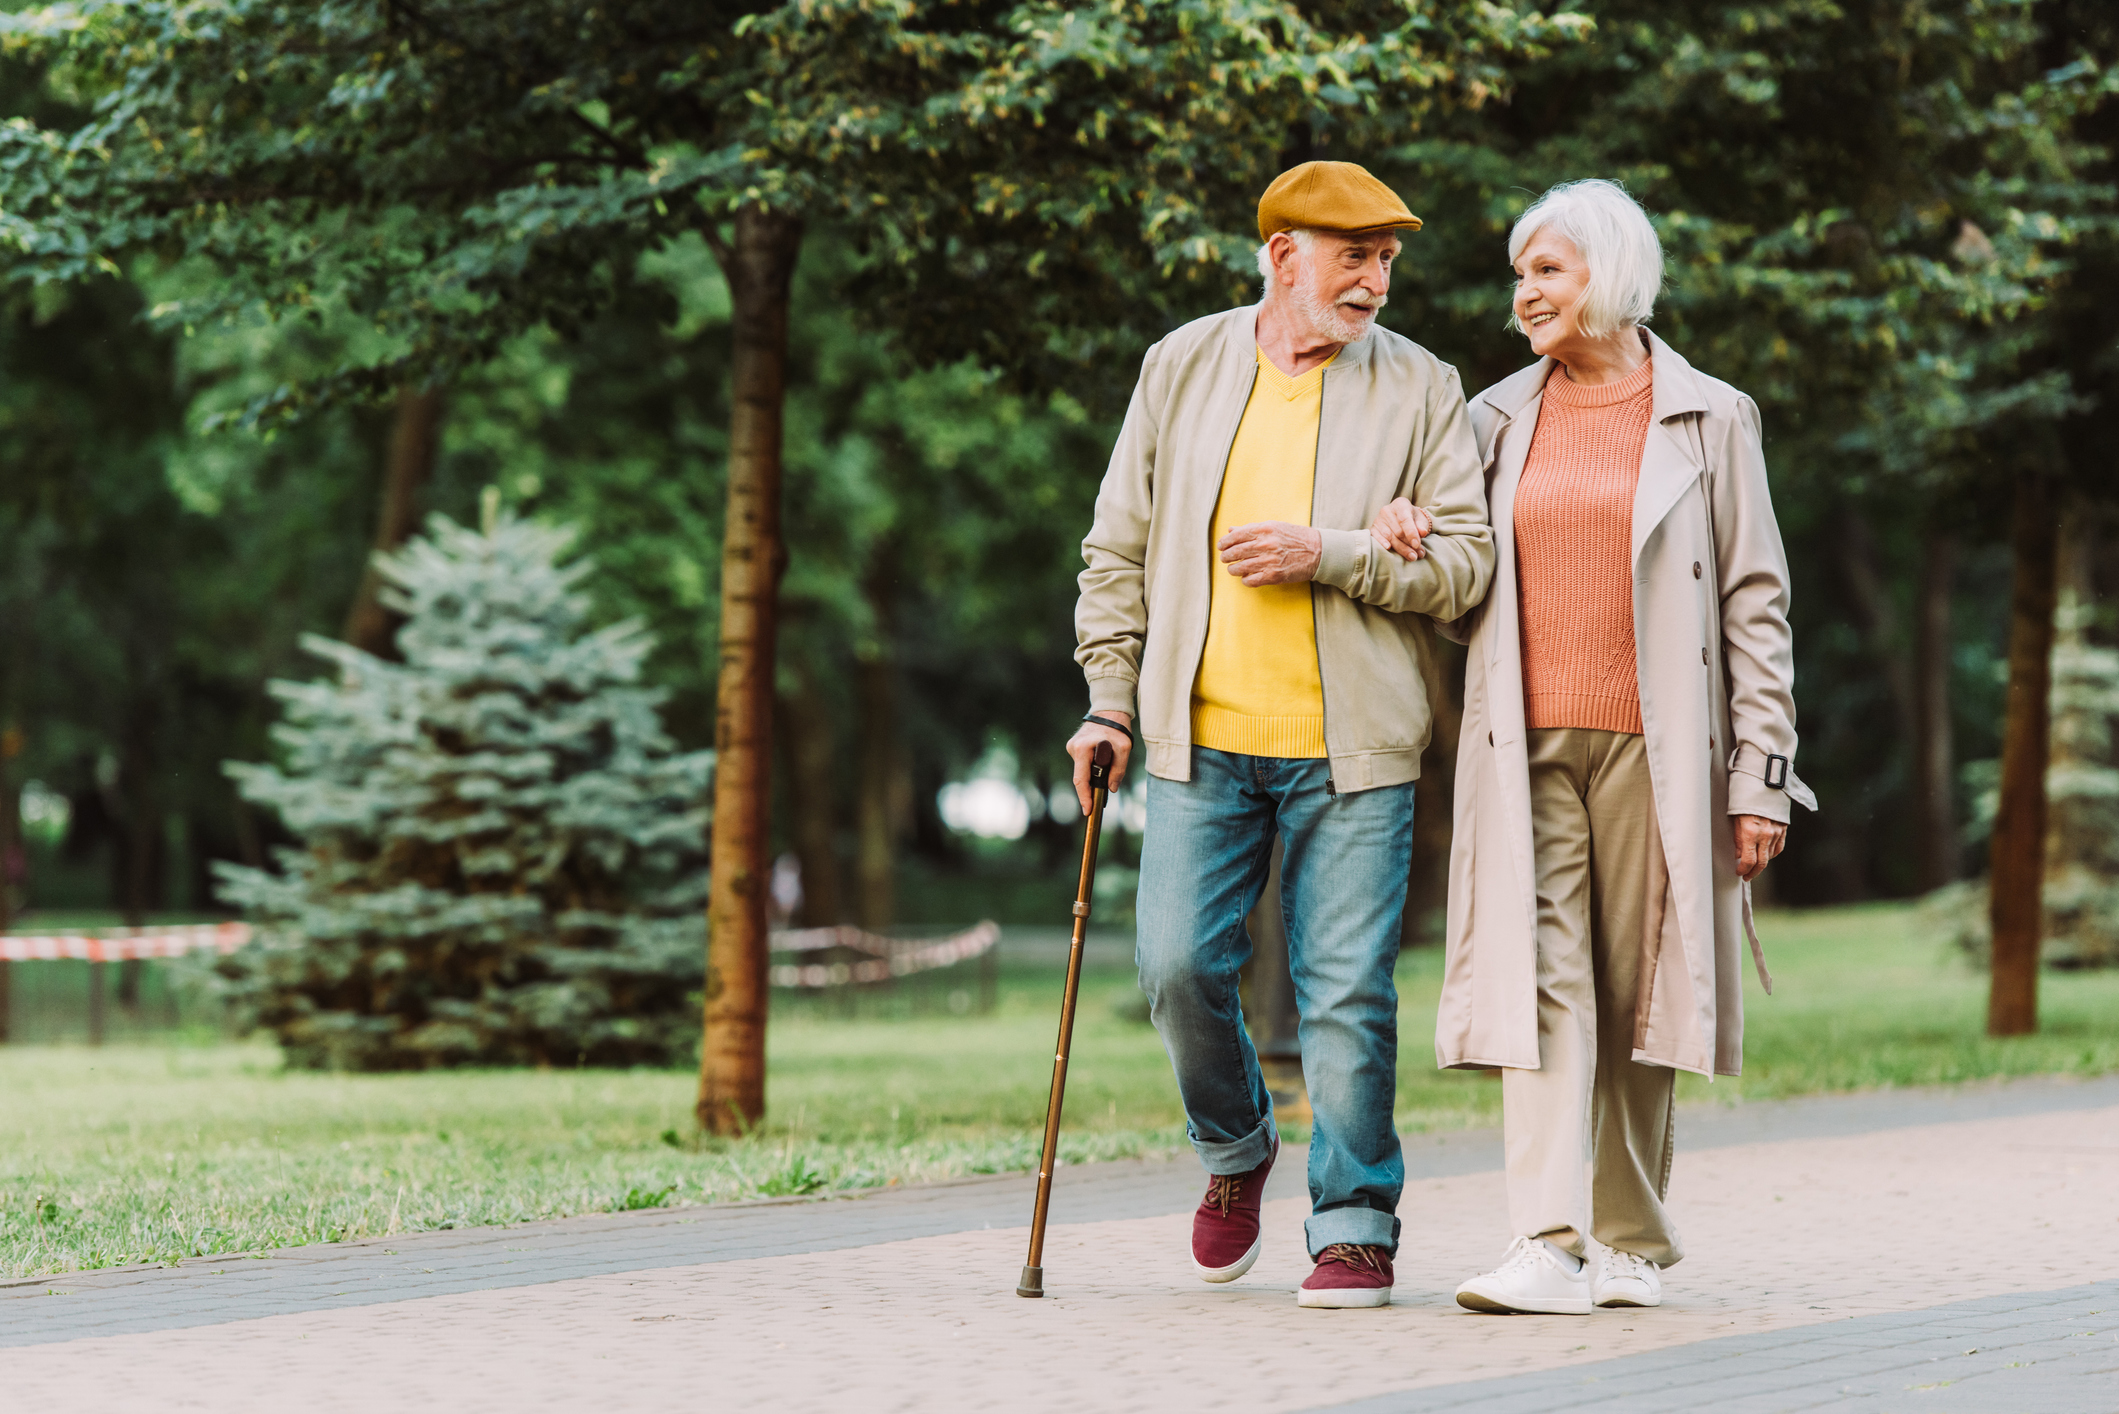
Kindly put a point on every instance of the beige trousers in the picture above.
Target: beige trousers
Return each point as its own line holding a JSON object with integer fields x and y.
{"x": 1588, "y": 1134}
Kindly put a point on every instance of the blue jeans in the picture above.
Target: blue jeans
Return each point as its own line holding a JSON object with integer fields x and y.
{"x": 1203, "y": 865}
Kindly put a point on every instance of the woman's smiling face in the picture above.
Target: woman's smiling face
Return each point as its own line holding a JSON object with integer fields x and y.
{"x": 1551, "y": 278}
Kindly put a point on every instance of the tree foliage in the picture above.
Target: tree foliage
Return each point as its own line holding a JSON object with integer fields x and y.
{"x": 1888, "y": 219}
{"x": 1877, "y": 215}
{"x": 461, "y": 171}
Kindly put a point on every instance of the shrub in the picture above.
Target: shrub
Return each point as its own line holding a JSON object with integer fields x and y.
{"x": 502, "y": 858}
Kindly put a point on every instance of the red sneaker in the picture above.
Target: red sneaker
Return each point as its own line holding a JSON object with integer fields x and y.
{"x": 1225, "y": 1237}
{"x": 1348, "y": 1275}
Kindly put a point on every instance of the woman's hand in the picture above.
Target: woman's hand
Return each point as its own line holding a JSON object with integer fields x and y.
{"x": 1757, "y": 841}
{"x": 1400, "y": 527}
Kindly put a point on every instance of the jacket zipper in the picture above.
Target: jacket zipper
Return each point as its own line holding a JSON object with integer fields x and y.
{"x": 1213, "y": 506}
{"x": 1331, "y": 788}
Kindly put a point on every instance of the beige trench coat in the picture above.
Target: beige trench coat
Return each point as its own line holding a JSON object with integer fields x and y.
{"x": 1716, "y": 670}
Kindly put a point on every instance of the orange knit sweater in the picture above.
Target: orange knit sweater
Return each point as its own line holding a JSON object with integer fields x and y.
{"x": 1574, "y": 553}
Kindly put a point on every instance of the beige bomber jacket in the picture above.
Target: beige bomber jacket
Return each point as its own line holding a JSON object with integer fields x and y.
{"x": 1393, "y": 423}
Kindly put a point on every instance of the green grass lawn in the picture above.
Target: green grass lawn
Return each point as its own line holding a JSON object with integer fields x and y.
{"x": 148, "y": 1152}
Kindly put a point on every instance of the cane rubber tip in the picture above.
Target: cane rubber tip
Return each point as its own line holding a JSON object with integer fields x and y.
{"x": 1033, "y": 1282}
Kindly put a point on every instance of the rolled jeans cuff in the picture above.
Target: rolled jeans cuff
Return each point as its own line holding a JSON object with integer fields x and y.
{"x": 1364, "y": 1227}
{"x": 1239, "y": 1155}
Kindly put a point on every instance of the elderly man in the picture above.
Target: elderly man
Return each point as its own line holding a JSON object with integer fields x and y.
{"x": 1283, "y": 694}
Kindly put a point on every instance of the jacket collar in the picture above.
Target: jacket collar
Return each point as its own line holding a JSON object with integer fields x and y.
{"x": 1515, "y": 392}
{"x": 1241, "y": 336}
{"x": 1670, "y": 460}
{"x": 1677, "y": 386}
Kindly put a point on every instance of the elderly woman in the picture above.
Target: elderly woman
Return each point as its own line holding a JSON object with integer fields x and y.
{"x": 1623, "y": 772}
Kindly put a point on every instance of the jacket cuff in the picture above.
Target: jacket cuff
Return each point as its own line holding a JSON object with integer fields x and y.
{"x": 1345, "y": 561}
{"x": 1112, "y": 695}
{"x": 1748, "y": 762}
{"x": 1748, "y": 795}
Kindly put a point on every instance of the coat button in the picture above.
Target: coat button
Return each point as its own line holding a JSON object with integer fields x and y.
{"x": 1695, "y": 569}
{"x": 1489, "y": 738}
{"x": 1703, "y": 655}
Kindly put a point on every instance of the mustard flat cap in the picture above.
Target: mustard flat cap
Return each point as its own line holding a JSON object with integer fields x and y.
{"x": 1331, "y": 196}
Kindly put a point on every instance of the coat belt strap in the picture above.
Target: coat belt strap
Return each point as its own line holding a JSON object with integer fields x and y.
{"x": 1758, "y": 954}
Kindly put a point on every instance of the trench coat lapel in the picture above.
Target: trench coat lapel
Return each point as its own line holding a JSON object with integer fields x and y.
{"x": 1504, "y": 653}
{"x": 1513, "y": 451}
{"x": 1670, "y": 461}
{"x": 1517, "y": 399}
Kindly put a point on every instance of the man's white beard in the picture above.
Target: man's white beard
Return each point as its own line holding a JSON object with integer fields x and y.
{"x": 1328, "y": 321}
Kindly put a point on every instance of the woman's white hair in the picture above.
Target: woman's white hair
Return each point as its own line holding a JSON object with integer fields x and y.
{"x": 1617, "y": 243}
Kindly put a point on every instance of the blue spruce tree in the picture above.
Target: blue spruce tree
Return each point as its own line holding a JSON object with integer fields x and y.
{"x": 502, "y": 858}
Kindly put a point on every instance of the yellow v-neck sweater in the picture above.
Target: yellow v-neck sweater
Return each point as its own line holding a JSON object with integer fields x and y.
{"x": 1258, "y": 693}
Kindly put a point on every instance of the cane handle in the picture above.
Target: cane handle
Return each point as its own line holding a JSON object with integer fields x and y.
{"x": 1100, "y": 766}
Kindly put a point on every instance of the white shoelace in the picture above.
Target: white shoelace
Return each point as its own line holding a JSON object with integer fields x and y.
{"x": 1621, "y": 1265}
{"x": 1526, "y": 1252}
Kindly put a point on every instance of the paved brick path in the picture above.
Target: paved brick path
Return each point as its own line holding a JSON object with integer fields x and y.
{"x": 2048, "y": 1353}
{"x": 1936, "y": 1252}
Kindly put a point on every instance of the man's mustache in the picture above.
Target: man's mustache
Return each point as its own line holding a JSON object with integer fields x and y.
{"x": 1361, "y": 299}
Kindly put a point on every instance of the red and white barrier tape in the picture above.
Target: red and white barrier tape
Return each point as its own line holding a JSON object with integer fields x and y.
{"x": 121, "y": 944}
{"x": 888, "y": 957}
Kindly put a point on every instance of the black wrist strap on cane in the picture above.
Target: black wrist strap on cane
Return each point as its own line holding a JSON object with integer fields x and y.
{"x": 1107, "y": 722}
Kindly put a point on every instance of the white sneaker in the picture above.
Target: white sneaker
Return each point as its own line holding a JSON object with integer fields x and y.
{"x": 1624, "y": 1279}
{"x": 1533, "y": 1278}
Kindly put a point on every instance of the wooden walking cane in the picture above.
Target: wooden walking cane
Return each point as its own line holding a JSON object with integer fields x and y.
{"x": 1033, "y": 1282}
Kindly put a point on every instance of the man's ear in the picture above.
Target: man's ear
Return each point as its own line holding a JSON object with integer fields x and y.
{"x": 1282, "y": 246}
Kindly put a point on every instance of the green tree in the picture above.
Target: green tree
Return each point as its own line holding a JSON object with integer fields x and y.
{"x": 933, "y": 525}
{"x": 1878, "y": 215}
{"x": 935, "y": 519}
{"x": 463, "y": 171}
{"x": 154, "y": 582}
{"x": 500, "y": 854}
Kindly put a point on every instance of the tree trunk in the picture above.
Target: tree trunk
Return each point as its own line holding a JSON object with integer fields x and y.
{"x": 11, "y": 851}
{"x": 760, "y": 269}
{"x": 813, "y": 799}
{"x": 2076, "y": 730}
{"x": 14, "y": 863}
{"x": 413, "y": 438}
{"x": 876, "y": 814}
{"x": 144, "y": 852}
{"x": 142, "y": 859}
{"x": 249, "y": 840}
{"x": 931, "y": 839}
{"x": 2015, "y": 905}
{"x": 875, "y": 842}
{"x": 1870, "y": 596}
{"x": 1934, "y": 745}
